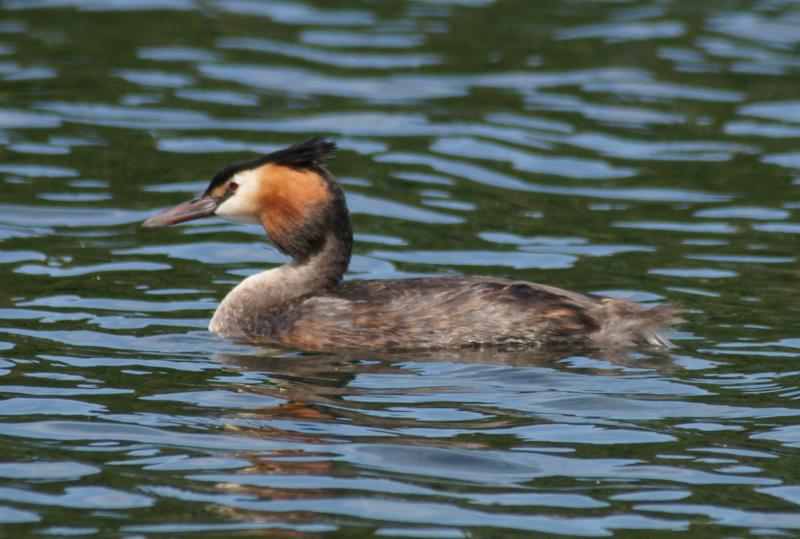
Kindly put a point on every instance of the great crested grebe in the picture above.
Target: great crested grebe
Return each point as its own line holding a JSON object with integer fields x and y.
{"x": 304, "y": 304}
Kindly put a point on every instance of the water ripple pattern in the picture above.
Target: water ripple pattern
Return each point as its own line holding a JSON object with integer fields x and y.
{"x": 640, "y": 150}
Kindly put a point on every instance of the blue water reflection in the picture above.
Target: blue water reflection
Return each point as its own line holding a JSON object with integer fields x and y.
{"x": 644, "y": 151}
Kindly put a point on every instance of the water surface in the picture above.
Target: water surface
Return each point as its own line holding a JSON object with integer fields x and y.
{"x": 644, "y": 150}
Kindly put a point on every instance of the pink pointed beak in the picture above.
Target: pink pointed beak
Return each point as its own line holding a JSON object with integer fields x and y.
{"x": 202, "y": 206}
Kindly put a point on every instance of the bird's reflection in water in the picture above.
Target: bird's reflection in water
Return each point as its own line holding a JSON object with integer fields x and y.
{"x": 336, "y": 370}
{"x": 325, "y": 405}
{"x": 324, "y": 388}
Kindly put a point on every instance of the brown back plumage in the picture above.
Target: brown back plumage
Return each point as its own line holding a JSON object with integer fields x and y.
{"x": 450, "y": 312}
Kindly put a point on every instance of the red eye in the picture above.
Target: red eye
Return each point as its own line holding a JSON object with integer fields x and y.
{"x": 233, "y": 186}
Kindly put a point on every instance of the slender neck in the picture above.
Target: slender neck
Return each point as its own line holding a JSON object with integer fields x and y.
{"x": 320, "y": 246}
{"x": 256, "y": 295}
{"x": 323, "y": 268}
{"x": 318, "y": 236}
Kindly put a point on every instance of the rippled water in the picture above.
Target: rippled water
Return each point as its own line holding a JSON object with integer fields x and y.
{"x": 641, "y": 149}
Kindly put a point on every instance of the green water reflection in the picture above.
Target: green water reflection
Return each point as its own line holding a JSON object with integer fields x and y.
{"x": 646, "y": 150}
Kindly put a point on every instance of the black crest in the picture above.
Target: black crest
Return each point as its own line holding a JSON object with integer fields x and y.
{"x": 311, "y": 154}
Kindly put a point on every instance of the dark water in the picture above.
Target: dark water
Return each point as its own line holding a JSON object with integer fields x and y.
{"x": 646, "y": 150}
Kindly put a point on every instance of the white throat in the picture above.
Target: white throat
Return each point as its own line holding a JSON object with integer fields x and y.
{"x": 242, "y": 205}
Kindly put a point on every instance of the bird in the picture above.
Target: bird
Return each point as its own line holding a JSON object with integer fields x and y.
{"x": 305, "y": 304}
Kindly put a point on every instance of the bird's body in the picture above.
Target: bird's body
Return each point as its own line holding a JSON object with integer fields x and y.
{"x": 439, "y": 312}
{"x": 305, "y": 305}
